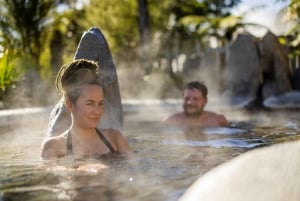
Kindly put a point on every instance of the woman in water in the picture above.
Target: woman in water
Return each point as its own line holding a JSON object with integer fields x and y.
{"x": 79, "y": 85}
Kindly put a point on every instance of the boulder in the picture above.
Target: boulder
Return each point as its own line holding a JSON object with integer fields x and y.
{"x": 242, "y": 75}
{"x": 264, "y": 174}
{"x": 275, "y": 66}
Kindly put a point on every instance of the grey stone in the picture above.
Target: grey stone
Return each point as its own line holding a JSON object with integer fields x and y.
{"x": 242, "y": 75}
{"x": 275, "y": 66}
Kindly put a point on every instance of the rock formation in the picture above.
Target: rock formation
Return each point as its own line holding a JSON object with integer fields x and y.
{"x": 257, "y": 73}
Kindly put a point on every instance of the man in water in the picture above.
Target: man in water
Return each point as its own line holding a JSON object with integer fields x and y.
{"x": 194, "y": 102}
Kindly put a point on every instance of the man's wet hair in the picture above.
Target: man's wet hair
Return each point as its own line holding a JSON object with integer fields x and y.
{"x": 200, "y": 86}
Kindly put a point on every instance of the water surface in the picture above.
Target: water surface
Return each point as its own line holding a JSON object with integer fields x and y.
{"x": 165, "y": 160}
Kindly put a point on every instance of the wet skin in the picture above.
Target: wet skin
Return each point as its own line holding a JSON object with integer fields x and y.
{"x": 86, "y": 113}
{"x": 193, "y": 102}
{"x": 194, "y": 114}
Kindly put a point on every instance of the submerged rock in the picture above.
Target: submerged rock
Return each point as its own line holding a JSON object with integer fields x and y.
{"x": 265, "y": 174}
{"x": 287, "y": 100}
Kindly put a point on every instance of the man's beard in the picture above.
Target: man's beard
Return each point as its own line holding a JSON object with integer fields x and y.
{"x": 196, "y": 113}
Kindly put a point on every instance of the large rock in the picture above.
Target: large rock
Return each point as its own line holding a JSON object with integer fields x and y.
{"x": 275, "y": 67}
{"x": 93, "y": 46}
{"x": 242, "y": 75}
{"x": 266, "y": 174}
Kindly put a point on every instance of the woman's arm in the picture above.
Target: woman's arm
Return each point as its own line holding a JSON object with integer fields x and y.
{"x": 52, "y": 148}
{"x": 120, "y": 142}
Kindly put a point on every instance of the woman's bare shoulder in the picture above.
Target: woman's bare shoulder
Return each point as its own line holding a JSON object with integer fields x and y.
{"x": 55, "y": 140}
{"x": 113, "y": 135}
{"x": 53, "y": 147}
{"x": 117, "y": 139}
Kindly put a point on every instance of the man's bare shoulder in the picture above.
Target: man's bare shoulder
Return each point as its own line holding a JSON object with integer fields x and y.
{"x": 174, "y": 118}
{"x": 219, "y": 118}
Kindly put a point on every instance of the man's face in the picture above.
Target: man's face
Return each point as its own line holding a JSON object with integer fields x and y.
{"x": 193, "y": 102}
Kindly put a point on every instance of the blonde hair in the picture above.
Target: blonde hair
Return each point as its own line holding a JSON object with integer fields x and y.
{"x": 73, "y": 76}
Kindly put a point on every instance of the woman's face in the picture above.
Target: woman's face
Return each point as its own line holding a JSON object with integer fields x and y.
{"x": 88, "y": 109}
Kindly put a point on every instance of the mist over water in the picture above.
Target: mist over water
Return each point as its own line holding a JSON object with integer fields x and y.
{"x": 163, "y": 164}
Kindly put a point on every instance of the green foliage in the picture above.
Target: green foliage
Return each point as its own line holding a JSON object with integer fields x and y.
{"x": 203, "y": 20}
{"x": 291, "y": 14}
{"x": 159, "y": 15}
{"x": 9, "y": 71}
{"x": 181, "y": 8}
{"x": 45, "y": 70}
{"x": 26, "y": 21}
{"x": 60, "y": 40}
{"x": 44, "y": 37}
{"x": 27, "y": 28}
{"x": 116, "y": 19}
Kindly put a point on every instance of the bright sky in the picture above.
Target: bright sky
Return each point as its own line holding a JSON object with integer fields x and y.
{"x": 264, "y": 12}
